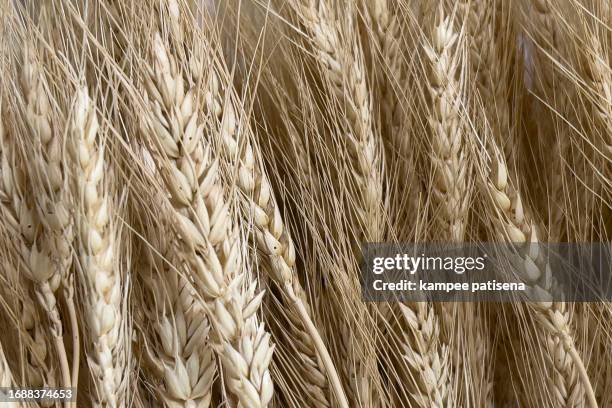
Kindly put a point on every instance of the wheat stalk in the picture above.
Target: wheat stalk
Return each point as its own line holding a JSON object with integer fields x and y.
{"x": 342, "y": 61}
{"x": 211, "y": 245}
{"x": 570, "y": 380}
{"x": 98, "y": 254}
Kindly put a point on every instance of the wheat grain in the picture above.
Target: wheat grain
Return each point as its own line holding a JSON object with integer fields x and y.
{"x": 98, "y": 255}
{"x": 211, "y": 242}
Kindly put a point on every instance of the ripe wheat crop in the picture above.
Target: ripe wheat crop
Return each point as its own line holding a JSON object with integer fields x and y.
{"x": 186, "y": 187}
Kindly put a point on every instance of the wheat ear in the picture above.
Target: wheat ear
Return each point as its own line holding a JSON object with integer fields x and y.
{"x": 486, "y": 64}
{"x": 23, "y": 221}
{"x": 183, "y": 360}
{"x": 341, "y": 58}
{"x": 342, "y": 61}
{"x": 98, "y": 249}
{"x": 599, "y": 75}
{"x": 210, "y": 242}
{"x": 272, "y": 235}
{"x": 450, "y": 189}
{"x": 20, "y": 220}
{"x": 426, "y": 356}
{"x": 51, "y": 266}
{"x": 386, "y": 29}
{"x": 570, "y": 380}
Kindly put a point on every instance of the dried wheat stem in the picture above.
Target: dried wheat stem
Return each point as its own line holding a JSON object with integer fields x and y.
{"x": 570, "y": 380}
{"x": 98, "y": 254}
{"x": 450, "y": 189}
{"x": 272, "y": 235}
{"x": 343, "y": 63}
{"x": 210, "y": 242}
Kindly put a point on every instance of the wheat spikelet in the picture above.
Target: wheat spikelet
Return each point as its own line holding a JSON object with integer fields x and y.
{"x": 570, "y": 382}
{"x": 211, "y": 242}
{"x": 52, "y": 200}
{"x": 98, "y": 255}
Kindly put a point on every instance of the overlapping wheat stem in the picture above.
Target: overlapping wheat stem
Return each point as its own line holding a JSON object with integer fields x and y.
{"x": 569, "y": 380}
{"x": 272, "y": 236}
{"x": 211, "y": 245}
{"x": 98, "y": 256}
{"x": 184, "y": 360}
{"x": 342, "y": 62}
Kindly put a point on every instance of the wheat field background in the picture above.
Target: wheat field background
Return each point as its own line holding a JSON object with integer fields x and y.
{"x": 185, "y": 186}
